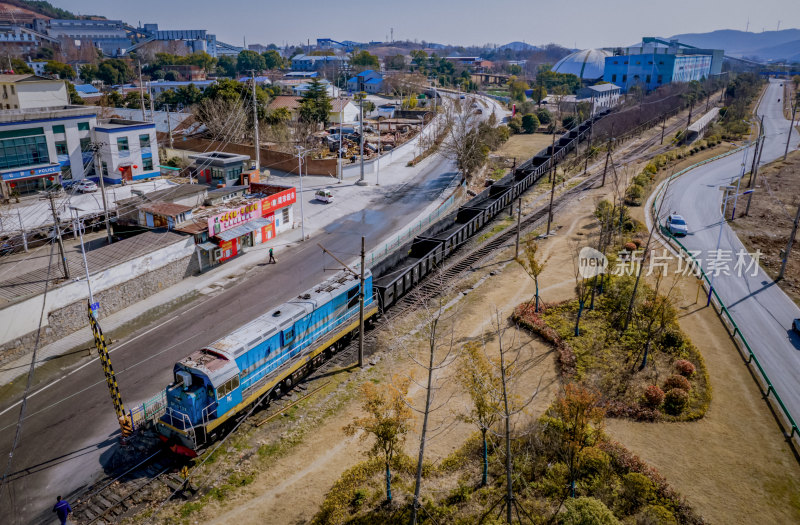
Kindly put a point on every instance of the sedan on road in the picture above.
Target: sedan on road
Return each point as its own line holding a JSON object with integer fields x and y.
{"x": 676, "y": 225}
{"x": 86, "y": 186}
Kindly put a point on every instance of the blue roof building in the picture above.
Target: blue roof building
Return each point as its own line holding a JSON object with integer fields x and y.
{"x": 369, "y": 81}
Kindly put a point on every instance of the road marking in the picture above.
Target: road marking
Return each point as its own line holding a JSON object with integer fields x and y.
{"x": 114, "y": 348}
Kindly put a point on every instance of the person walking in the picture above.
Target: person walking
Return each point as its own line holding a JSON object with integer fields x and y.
{"x": 272, "y": 257}
{"x": 62, "y": 510}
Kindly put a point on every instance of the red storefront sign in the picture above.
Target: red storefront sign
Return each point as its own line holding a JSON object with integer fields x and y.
{"x": 277, "y": 201}
{"x": 229, "y": 249}
{"x": 233, "y": 218}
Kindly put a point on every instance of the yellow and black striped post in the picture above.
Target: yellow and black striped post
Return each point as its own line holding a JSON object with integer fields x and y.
{"x": 102, "y": 350}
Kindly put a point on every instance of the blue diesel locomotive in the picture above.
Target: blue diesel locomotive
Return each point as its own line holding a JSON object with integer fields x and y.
{"x": 219, "y": 381}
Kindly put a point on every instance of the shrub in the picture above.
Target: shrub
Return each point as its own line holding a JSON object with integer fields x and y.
{"x": 638, "y": 242}
{"x": 530, "y": 123}
{"x": 587, "y": 511}
{"x": 684, "y": 367}
{"x": 653, "y": 396}
{"x": 569, "y": 122}
{"x": 675, "y": 401}
{"x": 655, "y": 515}
{"x": 650, "y": 168}
{"x": 515, "y": 124}
{"x": 592, "y": 460}
{"x": 544, "y": 116}
{"x": 637, "y": 490}
{"x": 677, "y": 381}
{"x": 359, "y": 498}
{"x": 634, "y": 195}
{"x": 630, "y": 246}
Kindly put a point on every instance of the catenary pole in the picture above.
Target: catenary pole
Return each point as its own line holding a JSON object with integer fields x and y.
{"x": 789, "y": 135}
{"x": 57, "y": 231}
{"x": 300, "y": 153}
{"x": 256, "y": 142}
{"x": 95, "y": 147}
{"x": 141, "y": 92}
{"x": 361, "y": 306}
{"x": 788, "y": 250}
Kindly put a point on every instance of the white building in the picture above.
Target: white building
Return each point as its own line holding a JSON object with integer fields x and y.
{"x": 44, "y": 141}
{"x": 343, "y": 110}
{"x": 605, "y": 96}
{"x": 31, "y": 92}
{"x": 128, "y": 149}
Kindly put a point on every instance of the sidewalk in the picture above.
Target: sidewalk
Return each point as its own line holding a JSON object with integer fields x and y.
{"x": 350, "y": 199}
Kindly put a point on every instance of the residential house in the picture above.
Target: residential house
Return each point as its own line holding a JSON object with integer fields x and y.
{"x": 164, "y": 215}
{"x": 128, "y": 149}
{"x": 316, "y": 62}
{"x": 603, "y": 96}
{"x": 369, "y": 81}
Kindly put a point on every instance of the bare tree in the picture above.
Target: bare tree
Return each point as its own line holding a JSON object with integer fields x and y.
{"x": 654, "y": 312}
{"x": 223, "y": 118}
{"x": 581, "y": 285}
{"x": 533, "y": 265}
{"x": 463, "y": 143}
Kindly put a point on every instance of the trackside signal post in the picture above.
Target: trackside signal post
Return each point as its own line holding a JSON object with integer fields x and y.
{"x": 111, "y": 378}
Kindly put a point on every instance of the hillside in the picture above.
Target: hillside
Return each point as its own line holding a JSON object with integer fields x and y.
{"x": 36, "y": 7}
{"x": 768, "y": 45}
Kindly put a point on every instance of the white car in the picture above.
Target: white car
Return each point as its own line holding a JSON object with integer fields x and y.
{"x": 677, "y": 225}
{"x": 324, "y": 196}
{"x": 86, "y": 186}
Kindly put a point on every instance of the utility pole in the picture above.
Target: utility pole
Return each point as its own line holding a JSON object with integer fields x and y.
{"x": 256, "y": 141}
{"x": 341, "y": 138}
{"x": 362, "y": 295}
{"x": 756, "y": 161}
{"x": 552, "y": 193}
{"x": 519, "y": 220}
{"x": 788, "y": 249}
{"x": 608, "y": 156}
{"x": 791, "y": 127}
{"x": 361, "y": 95}
{"x": 22, "y": 229}
{"x": 169, "y": 128}
{"x": 57, "y": 230}
{"x": 663, "y": 127}
{"x": 150, "y": 94}
{"x": 589, "y": 142}
{"x": 300, "y": 154}
{"x": 95, "y": 147}
{"x": 378, "y": 159}
{"x": 691, "y": 107}
{"x": 361, "y": 304}
{"x": 141, "y": 91}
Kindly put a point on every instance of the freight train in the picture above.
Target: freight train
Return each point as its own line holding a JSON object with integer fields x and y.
{"x": 216, "y": 384}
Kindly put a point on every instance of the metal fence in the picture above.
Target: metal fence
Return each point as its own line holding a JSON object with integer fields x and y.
{"x": 150, "y": 410}
{"x": 720, "y": 307}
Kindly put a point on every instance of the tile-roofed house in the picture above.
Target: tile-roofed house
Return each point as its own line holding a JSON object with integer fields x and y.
{"x": 343, "y": 110}
{"x": 285, "y": 101}
{"x": 368, "y": 80}
{"x": 164, "y": 215}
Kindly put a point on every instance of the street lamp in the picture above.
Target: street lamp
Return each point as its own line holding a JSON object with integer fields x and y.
{"x": 79, "y": 228}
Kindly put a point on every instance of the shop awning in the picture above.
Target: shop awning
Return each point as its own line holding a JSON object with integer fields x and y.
{"x": 243, "y": 229}
{"x": 207, "y": 246}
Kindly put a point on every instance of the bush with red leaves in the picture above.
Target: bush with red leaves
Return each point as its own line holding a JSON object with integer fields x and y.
{"x": 684, "y": 367}
{"x": 677, "y": 381}
{"x": 653, "y": 396}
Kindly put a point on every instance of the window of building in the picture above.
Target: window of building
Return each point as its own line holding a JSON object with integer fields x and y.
{"x": 83, "y": 126}
{"x": 624, "y": 78}
{"x": 144, "y": 141}
{"x": 122, "y": 144}
{"x": 66, "y": 173}
{"x": 147, "y": 164}
{"x": 58, "y": 129}
{"x": 5, "y": 92}
{"x": 660, "y": 79}
{"x": 12, "y": 90}
{"x": 61, "y": 148}
{"x": 105, "y": 169}
{"x": 614, "y": 77}
{"x": 233, "y": 174}
{"x": 648, "y": 79}
{"x": 23, "y": 151}
{"x": 285, "y": 215}
{"x": 85, "y": 143}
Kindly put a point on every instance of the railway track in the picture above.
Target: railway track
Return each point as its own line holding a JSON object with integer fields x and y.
{"x": 128, "y": 493}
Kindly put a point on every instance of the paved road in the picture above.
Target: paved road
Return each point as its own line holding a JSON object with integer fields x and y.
{"x": 762, "y": 311}
{"x": 64, "y": 445}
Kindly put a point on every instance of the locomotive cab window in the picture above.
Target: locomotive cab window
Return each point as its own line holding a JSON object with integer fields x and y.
{"x": 229, "y": 386}
{"x": 352, "y": 297}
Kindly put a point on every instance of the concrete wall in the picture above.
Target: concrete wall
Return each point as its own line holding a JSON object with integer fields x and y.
{"x": 114, "y": 288}
{"x": 44, "y": 94}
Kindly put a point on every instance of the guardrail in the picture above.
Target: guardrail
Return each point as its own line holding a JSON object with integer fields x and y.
{"x": 719, "y": 306}
{"x": 151, "y": 409}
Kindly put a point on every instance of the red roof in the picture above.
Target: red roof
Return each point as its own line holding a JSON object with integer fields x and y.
{"x": 167, "y": 209}
{"x": 285, "y": 101}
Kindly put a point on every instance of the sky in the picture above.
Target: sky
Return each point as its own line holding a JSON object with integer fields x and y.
{"x": 579, "y": 23}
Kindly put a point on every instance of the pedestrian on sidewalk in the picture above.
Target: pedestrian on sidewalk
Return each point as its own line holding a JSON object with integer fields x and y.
{"x": 272, "y": 257}
{"x": 62, "y": 510}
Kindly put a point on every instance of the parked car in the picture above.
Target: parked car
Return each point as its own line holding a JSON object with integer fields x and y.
{"x": 796, "y": 326}
{"x": 86, "y": 186}
{"x": 677, "y": 225}
{"x": 324, "y": 196}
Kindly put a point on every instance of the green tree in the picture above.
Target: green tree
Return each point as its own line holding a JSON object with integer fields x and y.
{"x": 587, "y": 511}
{"x": 64, "y": 71}
{"x": 515, "y": 69}
{"x": 477, "y": 378}
{"x": 530, "y": 123}
{"x": 419, "y": 58}
{"x": 387, "y": 420}
{"x": 74, "y": 97}
{"x": 20, "y": 67}
{"x": 539, "y": 94}
{"x": 315, "y": 105}
{"x": 364, "y": 59}
{"x": 132, "y": 100}
{"x": 397, "y": 62}
{"x": 112, "y": 99}
{"x": 89, "y": 72}
{"x": 171, "y": 76}
{"x": 114, "y": 71}
{"x": 273, "y": 60}
{"x": 250, "y": 60}
{"x": 569, "y": 122}
{"x": 226, "y": 66}
{"x": 544, "y": 116}
{"x": 278, "y": 116}
{"x": 517, "y": 89}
